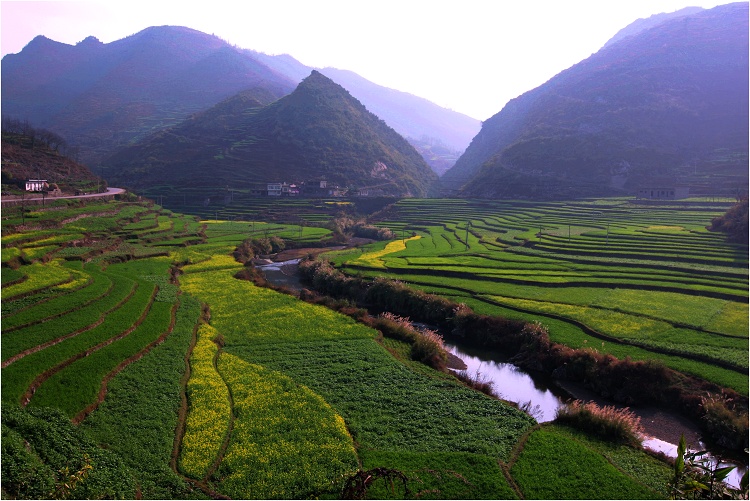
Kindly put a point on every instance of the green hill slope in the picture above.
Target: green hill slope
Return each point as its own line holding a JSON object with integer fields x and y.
{"x": 317, "y": 131}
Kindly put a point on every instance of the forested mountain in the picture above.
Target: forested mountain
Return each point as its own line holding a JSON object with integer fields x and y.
{"x": 318, "y": 131}
{"x": 667, "y": 102}
{"x": 101, "y": 97}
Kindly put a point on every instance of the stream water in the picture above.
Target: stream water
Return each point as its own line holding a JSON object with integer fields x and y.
{"x": 540, "y": 396}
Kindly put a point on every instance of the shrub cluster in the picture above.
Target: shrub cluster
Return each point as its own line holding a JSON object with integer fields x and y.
{"x": 623, "y": 380}
{"x": 734, "y": 222}
{"x": 254, "y": 247}
{"x": 608, "y": 422}
{"x": 344, "y": 226}
{"x": 724, "y": 421}
{"x": 426, "y": 345}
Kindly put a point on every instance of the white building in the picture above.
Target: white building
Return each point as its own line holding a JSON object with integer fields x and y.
{"x": 37, "y": 185}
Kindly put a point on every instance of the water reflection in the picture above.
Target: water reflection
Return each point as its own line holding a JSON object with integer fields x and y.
{"x": 511, "y": 383}
{"x": 515, "y": 385}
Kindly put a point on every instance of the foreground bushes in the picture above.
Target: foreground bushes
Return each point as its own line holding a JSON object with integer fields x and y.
{"x": 608, "y": 422}
{"x": 45, "y": 456}
{"x": 631, "y": 382}
{"x": 426, "y": 345}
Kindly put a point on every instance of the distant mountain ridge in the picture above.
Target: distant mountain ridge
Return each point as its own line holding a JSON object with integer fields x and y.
{"x": 668, "y": 102}
{"x": 101, "y": 97}
{"x": 319, "y": 131}
{"x": 412, "y": 116}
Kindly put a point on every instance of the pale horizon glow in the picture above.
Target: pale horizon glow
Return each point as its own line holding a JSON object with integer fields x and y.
{"x": 471, "y": 56}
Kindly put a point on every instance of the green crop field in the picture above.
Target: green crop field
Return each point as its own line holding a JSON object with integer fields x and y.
{"x": 648, "y": 280}
{"x": 128, "y": 340}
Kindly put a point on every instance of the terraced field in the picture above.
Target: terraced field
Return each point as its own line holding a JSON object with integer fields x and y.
{"x": 155, "y": 373}
{"x": 639, "y": 280}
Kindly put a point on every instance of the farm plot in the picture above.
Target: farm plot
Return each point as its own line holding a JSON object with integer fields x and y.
{"x": 287, "y": 442}
{"x": 650, "y": 277}
{"x": 386, "y": 406}
{"x": 66, "y": 371}
{"x": 309, "y": 395}
{"x": 139, "y": 416}
{"x": 553, "y": 465}
{"x": 210, "y": 411}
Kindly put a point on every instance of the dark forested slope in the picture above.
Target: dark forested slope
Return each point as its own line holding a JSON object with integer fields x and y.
{"x": 317, "y": 131}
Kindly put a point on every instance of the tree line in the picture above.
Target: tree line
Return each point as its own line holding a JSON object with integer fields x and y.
{"x": 37, "y": 136}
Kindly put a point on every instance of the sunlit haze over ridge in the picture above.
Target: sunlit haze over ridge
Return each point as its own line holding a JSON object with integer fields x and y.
{"x": 471, "y": 56}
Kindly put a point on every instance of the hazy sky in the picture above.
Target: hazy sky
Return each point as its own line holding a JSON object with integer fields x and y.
{"x": 471, "y": 56}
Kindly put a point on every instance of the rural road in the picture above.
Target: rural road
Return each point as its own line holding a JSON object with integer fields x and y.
{"x": 109, "y": 192}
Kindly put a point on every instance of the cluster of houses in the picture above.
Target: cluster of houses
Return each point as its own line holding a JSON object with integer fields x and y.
{"x": 317, "y": 188}
{"x": 664, "y": 192}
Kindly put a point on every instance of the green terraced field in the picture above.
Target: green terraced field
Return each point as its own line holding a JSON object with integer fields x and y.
{"x": 127, "y": 319}
{"x": 649, "y": 280}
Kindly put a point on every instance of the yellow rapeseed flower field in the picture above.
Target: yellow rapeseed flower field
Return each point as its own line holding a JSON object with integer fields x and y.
{"x": 374, "y": 259}
{"x": 287, "y": 442}
{"x": 209, "y": 411}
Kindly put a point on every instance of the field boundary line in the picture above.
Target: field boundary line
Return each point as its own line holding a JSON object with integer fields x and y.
{"x": 230, "y": 426}
{"x": 40, "y": 379}
{"x": 588, "y": 330}
{"x": 514, "y": 455}
{"x": 122, "y": 365}
{"x": 40, "y": 289}
{"x": 58, "y": 315}
{"x": 182, "y": 414}
{"x": 601, "y": 285}
{"x": 16, "y": 282}
{"x": 40, "y": 347}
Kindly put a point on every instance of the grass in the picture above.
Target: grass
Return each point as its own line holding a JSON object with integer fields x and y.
{"x": 552, "y": 465}
{"x": 611, "y": 267}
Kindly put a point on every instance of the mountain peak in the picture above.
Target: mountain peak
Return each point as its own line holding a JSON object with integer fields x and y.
{"x": 317, "y": 130}
{"x": 41, "y": 43}
{"x": 90, "y": 41}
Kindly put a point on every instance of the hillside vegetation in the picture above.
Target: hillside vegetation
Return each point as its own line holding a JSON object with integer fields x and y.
{"x": 665, "y": 106}
{"x": 30, "y": 153}
{"x": 104, "y": 96}
{"x": 319, "y": 131}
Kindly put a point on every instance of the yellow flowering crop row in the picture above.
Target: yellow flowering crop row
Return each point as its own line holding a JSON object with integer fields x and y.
{"x": 373, "y": 259}
{"x": 243, "y": 312}
{"x": 40, "y": 276}
{"x": 287, "y": 442}
{"x": 80, "y": 278}
{"x": 608, "y": 322}
{"x": 209, "y": 408}
{"x": 218, "y": 261}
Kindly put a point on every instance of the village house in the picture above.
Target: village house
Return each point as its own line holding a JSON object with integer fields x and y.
{"x": 37, "y": 185}
{"x": 661, "y": 192}
{"x": 282, "y": 190}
